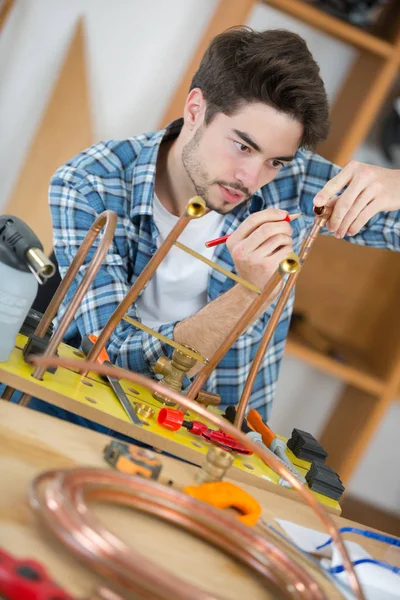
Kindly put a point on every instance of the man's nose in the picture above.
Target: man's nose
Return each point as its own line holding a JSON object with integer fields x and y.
{"x": 249, "y": 176}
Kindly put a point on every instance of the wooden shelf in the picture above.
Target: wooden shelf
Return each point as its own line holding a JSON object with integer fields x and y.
{"x": 333, "y": 26}
{"x": 350, "y": 374}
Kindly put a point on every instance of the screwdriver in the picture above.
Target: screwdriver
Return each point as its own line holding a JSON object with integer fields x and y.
{"x": 270, "y": 440}
{"x": 87, "y": 344}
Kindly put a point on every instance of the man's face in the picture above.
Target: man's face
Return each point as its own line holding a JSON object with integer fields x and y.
{"x": 232, "y": 157}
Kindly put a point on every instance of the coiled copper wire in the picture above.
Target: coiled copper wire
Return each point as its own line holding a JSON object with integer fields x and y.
{"x": 63, "y": 505}
{"x": 224, "y": 425}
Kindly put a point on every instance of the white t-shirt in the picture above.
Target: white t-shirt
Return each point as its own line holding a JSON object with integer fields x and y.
{"x": 178, "y": 288}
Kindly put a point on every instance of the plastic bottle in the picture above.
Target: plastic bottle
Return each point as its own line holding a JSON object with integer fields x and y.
{"x": 23, "y": 265}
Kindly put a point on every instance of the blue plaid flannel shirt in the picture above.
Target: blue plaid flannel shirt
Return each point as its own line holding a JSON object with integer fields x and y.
{"x": 119, "y": 175}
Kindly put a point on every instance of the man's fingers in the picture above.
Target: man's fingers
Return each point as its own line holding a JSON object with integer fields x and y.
{"x": 261, "y": 235}
{"x": 253, "y": 222}
{"x": 270, "y": 247}
{"x": 335, "y": 185}
{"x": 360, "y": 203}
{"x": 365, "y": 215}
{"x": 344, "y": 204}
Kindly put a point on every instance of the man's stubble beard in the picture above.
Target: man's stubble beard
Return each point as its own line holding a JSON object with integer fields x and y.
{"x": 197, "y": 173}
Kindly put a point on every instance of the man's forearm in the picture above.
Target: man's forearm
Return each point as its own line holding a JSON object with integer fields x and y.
{"x": 206, "y": 330}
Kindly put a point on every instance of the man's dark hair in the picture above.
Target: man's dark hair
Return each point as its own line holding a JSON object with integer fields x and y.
{"x": 274, "y": 67}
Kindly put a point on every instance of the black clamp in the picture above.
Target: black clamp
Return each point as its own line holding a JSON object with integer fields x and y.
{"x": 325, "y": 480}
{"x": 305, "y": 446}
{"x": 36, "y": 344}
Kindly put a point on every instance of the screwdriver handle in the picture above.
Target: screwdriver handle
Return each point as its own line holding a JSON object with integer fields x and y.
{"x": 254, "y": 419}
{"x": 88, "y": 341}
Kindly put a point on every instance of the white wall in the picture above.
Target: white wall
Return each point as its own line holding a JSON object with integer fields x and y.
{"x": 137, "y": 52}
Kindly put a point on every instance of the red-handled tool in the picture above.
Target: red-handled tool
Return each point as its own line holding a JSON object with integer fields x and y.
{"x": 87, "y": 344}
{"x": 173, "y": 419}
{"x": 26, "y": 579}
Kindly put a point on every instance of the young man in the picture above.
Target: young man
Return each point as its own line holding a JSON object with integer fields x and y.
{"x": 256, "y": 108}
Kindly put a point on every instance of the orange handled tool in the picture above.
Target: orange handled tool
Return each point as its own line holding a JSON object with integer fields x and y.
{"x": 223, "y": 494}
{"x": 277, "y": 446}
{"x": 254, "y": 419}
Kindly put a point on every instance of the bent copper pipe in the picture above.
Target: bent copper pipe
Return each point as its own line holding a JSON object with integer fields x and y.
{"x": 269, "y": 458}
{"x": 108, "y": 221}
{"x": 321, "y": 218}
{"x": 285, "y": 267}
{"x": 195, "y": 208}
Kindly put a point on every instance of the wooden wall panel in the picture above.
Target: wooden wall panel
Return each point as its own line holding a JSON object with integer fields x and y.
{"x": 64, "y": 131}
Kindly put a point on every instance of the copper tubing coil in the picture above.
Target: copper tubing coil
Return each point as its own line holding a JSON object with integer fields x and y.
{"x": 195, "y": 208}
{"x": 61, "y": 499}
{"x": 288, "y": 265}
{"x": 319, "y": 222}
{"x": 227, "y": 427}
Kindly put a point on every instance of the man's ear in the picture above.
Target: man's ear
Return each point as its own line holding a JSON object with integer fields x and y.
{"x": 195, "y": 108}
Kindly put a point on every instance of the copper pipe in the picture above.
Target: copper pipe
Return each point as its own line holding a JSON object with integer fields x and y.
{"x": 108, "y": 221}
{"x": 285, "y": 267}
{"x": 195, "y": 208}
{"x": 61, "y": 498}
{"x": 227, "y": 427}
{"x": 319, "y": 222}
{"x": 7, "y": 393}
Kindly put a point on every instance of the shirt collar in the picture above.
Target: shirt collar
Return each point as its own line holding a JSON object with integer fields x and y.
{"x": 144, "y": 170}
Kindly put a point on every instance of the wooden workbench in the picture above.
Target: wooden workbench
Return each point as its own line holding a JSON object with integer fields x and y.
{"x": 92, "y": 398}
{"x": 31, "y": 442}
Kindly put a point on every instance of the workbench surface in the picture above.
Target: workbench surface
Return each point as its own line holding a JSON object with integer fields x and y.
{"x": 31, "y": 442}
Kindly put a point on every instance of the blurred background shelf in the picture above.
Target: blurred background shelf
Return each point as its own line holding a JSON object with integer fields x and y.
{"x": 334, "y": 26}
{"x": 355, "y": 375}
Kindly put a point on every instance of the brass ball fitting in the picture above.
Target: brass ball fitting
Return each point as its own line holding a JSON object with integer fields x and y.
{"x": 196, "y": 207}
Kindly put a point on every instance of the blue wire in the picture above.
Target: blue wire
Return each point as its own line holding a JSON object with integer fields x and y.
{"x": 387, "y": 539}
{"x": 380, "y": 563}
{"x": 330, "y": 574}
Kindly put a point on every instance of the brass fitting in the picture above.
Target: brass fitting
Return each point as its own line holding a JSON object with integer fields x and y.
{"x": 144, "y": 411}
{"x": 174, "y": 370}
{"x": 290, "y": 264}
{"x": 216, "y": 464}
{"x": 196, "y": 207}
{"x": 207, "y": 398}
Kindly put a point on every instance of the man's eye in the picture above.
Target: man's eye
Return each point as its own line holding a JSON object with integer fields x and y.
{"x": 277, "y": 164}
{"x": 242, "y": 147}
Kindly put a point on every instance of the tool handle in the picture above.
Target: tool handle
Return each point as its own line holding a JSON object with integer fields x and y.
{"x": 254, "y": 419}
{"x": 230, "y": 414}
{"x": 88, "y": 341}
{"x": 27, "y": 579}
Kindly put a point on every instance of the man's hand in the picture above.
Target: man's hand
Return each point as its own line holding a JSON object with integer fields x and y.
{"x": 369, "y": 190}
{"x": 259, "y": 244}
